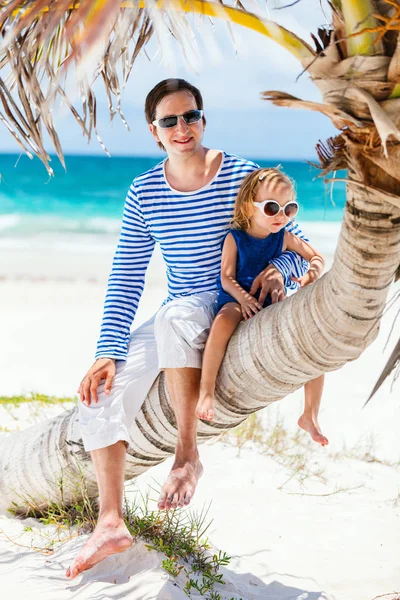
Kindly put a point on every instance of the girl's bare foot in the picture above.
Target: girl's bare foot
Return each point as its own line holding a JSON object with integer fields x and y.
{"x": 109, "y": 537}
{"x": 205, "y": 407}
{"x": 311, "y": 425}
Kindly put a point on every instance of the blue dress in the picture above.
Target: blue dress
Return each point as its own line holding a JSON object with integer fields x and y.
{"x": 253, "y": 256}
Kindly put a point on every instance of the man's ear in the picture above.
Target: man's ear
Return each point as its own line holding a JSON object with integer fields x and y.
{"x": 153, "y": 131}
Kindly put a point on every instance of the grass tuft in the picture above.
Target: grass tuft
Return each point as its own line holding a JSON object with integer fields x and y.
{"x": 82, "y": 512}
{"x": 34, "y": 397}
{"x": 178, "y": 534}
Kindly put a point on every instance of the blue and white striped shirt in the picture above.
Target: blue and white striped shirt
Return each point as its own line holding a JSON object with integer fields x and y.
{"x": 189, "y": 226}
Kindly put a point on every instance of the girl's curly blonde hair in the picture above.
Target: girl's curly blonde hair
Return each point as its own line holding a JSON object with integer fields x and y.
{"x": 244, "y": 204}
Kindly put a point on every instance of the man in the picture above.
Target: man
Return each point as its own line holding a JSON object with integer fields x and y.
{"x": 184, "y": 204}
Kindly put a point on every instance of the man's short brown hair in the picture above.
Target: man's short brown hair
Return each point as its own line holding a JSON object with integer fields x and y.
{"x": 165, "y": 88}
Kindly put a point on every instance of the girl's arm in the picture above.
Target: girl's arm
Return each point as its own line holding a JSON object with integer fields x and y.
{"x": 294, "y": 243}
{"x": 248, "y": 303}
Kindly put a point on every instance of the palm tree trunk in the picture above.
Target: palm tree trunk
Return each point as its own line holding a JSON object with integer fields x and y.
{"x": 315, "y": 331}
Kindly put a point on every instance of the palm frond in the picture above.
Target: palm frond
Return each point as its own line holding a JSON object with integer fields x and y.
{"x": 340, "y": 118}
{"x": 361, "y": 26}
{"x": 391, "y": 364}
{"x": 43, "y": 40}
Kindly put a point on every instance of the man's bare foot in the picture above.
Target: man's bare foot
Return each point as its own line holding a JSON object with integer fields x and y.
{"x": 108, "y": 538}
{"x": 179, "y": 488}
{"x": 312, "y": 427}
{"x": 205, "y": 407}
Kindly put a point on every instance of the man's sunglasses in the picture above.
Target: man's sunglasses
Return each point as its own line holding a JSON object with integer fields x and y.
{"x": 271, "y": 208}
{"x": 191, "y": 116}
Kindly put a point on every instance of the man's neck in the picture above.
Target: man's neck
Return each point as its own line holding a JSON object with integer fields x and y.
{"x": 181, "y": 165}
{"x": 192, "y": 172}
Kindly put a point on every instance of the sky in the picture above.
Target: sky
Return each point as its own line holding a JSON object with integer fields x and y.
{"x": 231, "y": 68}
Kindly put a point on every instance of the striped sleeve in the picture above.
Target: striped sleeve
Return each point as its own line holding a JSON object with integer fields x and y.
{"x": 290, "y": 263}
{"x": 126, "y": 281}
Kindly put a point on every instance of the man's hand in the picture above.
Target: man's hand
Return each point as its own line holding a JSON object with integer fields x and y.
{"x": 271, "y": 282}
{"x": 103, "y": 368}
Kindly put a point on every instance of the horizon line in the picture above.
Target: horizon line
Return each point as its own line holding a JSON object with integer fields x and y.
{"x": 151, "y": 156}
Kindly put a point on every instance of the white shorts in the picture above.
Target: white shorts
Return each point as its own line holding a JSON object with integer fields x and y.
{"x": 173, "y": 338}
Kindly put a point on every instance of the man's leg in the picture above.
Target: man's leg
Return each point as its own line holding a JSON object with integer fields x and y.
{"x": 102, "y": 424}
{"x": 181, "y": 329}
{"x": 183, "y": 386}
{"x": 110, "y": 535}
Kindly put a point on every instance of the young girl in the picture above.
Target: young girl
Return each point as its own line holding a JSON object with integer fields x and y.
{"x": 264, "y": 205}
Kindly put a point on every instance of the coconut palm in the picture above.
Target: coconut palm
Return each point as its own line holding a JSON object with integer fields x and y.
{"x": 356, "y": 66}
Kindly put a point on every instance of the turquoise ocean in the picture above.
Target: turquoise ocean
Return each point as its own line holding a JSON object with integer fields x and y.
{"x": 86, "y": 201}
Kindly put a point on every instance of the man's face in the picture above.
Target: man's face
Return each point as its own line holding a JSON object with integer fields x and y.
{"x": 183, "y": 139}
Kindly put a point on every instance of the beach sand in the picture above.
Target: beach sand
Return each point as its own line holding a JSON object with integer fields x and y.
{"x": 332, "y": 536}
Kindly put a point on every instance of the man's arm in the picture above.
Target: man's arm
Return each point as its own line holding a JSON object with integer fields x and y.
{"x": 290, "y": 263}
{"x": 126, "y": 281}
{"x": 276, "y": 277}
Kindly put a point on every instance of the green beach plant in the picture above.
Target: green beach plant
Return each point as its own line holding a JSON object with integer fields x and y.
{"x": 30, "y": 407}
{"x": 179, "y": 535}
{"x": 40, "y": 399}
{"x": 317, "y": 330}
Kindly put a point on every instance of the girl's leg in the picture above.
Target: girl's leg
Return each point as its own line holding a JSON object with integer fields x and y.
{"x": 221, "y": 331}
{"x": 312, "y": 400}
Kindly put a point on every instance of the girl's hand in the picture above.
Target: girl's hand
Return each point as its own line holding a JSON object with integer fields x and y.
{"x": 306, "y": 279}
{"x": 250, "y": 306}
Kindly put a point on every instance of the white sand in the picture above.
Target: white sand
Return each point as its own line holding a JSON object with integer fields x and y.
{"x": 336, "y": 538}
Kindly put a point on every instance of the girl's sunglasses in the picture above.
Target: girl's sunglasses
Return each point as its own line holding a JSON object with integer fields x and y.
{"x": 271, "y": 208}
{"x": 191, "y": 116}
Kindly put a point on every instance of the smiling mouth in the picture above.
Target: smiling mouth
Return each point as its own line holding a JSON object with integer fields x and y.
{"x": 184, "y": 141}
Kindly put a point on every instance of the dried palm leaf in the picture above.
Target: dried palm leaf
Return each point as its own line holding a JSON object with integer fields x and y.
{"x": 332, "y": 155}
{"x": 383, "y": 122}
{"x": 43, "y": 39}
{"x": 338, "y": 117}
{"x": 394, "y": 66}
{"x": 391, "y": 364}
